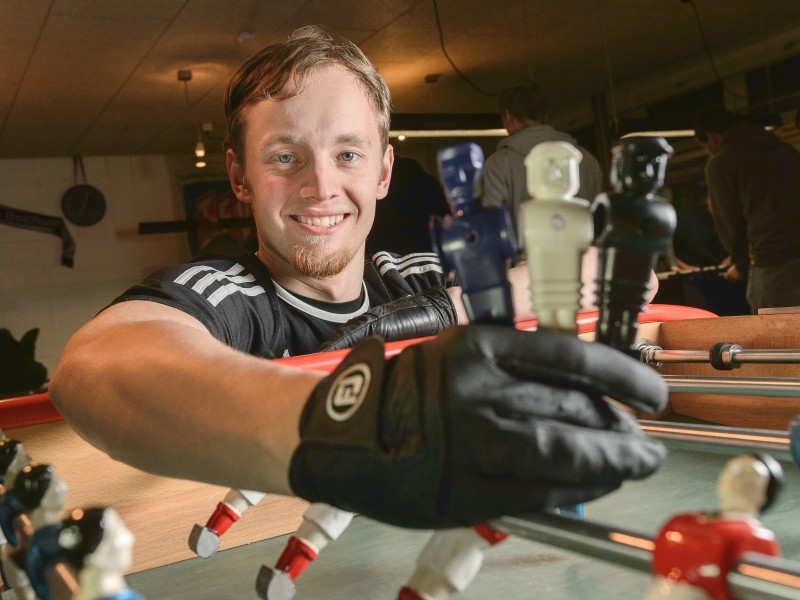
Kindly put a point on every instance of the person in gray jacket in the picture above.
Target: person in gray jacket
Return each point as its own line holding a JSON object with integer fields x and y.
{"x": 523, "y": 107}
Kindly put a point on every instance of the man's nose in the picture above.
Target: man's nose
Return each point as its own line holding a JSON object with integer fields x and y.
{"x": 322, "y": 180}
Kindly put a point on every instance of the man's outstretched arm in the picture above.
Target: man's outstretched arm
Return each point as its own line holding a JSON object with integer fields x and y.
{"x": 150, "y": 386}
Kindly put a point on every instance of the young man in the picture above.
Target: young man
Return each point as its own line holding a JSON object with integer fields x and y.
{"x": 477, "y": 423}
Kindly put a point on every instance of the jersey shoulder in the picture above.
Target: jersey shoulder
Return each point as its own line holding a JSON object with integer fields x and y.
{"x": 391, "y": 276}
{"x": 233, "y": 297}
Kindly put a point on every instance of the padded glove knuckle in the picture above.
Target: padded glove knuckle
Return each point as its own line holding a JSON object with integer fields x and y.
{"x": 420, "y": 315}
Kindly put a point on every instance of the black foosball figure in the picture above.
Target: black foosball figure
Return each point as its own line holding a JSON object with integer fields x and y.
{"x": 41, "y": 495}
{"x": 13, "y": 458}
{"x": 636, "y": 228}
{"x": 97, "y": 545}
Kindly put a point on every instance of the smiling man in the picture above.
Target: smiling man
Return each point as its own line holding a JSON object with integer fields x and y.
{"x": 482, "y": 421}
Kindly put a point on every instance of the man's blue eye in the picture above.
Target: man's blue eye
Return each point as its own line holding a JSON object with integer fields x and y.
{"x": 349, "y": 156}
{"x": 284, "y": 158}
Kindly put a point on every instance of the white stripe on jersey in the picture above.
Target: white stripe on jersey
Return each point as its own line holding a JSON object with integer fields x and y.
{"x": 307, "y": 308}
{"x": 410, "y": 264}
{"x": 212, "y": 275}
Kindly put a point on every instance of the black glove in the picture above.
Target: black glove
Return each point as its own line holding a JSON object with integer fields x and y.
{"x": 482, "y": 421}
{"x": 423, "y": 314}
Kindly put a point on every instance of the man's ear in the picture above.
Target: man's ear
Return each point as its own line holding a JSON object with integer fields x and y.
{"x": 505, "y": 116}
{"x": 237, "y": 178}
{"x": 386, "y": 172}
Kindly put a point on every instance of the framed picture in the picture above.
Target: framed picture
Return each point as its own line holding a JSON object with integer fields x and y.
{"x": 215, "y": 208}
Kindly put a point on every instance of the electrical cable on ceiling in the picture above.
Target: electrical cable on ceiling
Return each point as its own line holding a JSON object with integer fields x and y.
{"x": 447, "y": 56}
{"x": 611, "y": 95}
{"x": 708, "y": 51}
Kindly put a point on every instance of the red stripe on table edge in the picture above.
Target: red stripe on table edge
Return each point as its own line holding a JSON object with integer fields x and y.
{"x": 35, "y": 409}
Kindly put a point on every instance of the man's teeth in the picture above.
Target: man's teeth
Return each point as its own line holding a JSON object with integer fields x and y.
{"x": 321, "y": 221}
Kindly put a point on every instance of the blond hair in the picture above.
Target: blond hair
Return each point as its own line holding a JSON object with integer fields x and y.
{"x": 278, "y": 71}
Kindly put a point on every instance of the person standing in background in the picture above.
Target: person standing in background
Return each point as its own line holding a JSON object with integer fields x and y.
{"x": 523, "y": 108}
{"x": 753, "y": 180}
{"x": 401, "y": 218}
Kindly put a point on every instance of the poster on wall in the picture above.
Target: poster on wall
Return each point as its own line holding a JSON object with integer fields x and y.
{"x": 212, "y": 204}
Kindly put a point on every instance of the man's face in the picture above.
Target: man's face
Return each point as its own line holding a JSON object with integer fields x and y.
{"x": 313, "y": 171}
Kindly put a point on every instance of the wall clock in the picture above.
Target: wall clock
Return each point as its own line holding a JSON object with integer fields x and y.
{"x": 83, "y": 204}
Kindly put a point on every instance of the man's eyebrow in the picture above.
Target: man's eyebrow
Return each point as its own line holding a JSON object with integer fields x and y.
{"x": 278, "y": 140}
{"x": 283, "y": 138}
{"x": 353, "y": 138}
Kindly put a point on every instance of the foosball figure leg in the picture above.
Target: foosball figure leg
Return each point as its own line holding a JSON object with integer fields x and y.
{"x": 321, "y": 525}
{"x": 204, "y": 541}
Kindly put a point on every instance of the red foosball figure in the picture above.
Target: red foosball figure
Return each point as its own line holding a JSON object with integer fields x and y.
{"x": 694, "y": 552}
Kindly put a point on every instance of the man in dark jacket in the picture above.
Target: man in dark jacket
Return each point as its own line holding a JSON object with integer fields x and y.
{"x": 753, "y": 181}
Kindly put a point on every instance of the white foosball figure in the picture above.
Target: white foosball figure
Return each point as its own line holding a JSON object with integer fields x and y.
{"x": 694, "y": 552}
{"x": 556, "y": 232}
{"x": 204, "y": 541}
{"x": 449, "y": 562}
{"x": 321, "y": 525}
{"x": 96, "y": 543}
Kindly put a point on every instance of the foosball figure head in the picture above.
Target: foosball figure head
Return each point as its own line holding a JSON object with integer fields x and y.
{"x": 41, "y": 492}
{"x": 552, "y": 171}
{"x": 461, "y": 174}
{"x": 13, "y": 458}
{"x": 639, "y": 165}
{"x": 96, "y": 543}
{"x": 749, "y": 484}
{"x": 694, "y": 552}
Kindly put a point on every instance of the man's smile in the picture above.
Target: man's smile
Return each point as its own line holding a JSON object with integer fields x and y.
{"x": 326, "y": 221}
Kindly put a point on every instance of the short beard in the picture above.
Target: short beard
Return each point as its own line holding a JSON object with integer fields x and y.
{"x": 310, "y": 261}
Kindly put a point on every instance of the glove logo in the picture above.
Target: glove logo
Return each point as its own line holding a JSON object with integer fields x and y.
{"x": 347, "y": 392}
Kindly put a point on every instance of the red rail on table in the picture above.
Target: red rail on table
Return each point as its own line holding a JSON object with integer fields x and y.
{"x": 34, "y": 409}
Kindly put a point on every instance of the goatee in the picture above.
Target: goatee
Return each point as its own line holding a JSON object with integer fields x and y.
{"x": 310, "y": 260}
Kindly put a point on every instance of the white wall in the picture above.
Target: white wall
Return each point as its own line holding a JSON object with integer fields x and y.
{"x": 35, "y": 289}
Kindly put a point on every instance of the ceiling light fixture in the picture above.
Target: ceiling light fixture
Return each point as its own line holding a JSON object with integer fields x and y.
{"x": 446, "y": 133}
{"x": 185, "y": 75}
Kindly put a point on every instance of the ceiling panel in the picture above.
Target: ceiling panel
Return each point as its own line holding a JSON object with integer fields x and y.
{"x": 100, "y": 76}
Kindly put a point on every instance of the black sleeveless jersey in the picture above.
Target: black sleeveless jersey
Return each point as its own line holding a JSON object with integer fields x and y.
{"x": 240, "y": 304}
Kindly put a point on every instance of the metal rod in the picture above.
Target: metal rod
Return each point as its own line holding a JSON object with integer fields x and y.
{"x": 778, "y": 387}
{"x": 719, "y": 438}
{"x": 677, "y": 356}
{"x": 626, "y": 548}
{"x": 738, "y": 357}
{"x": 754, "y": 577}
{"x": 785, "y": 356}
